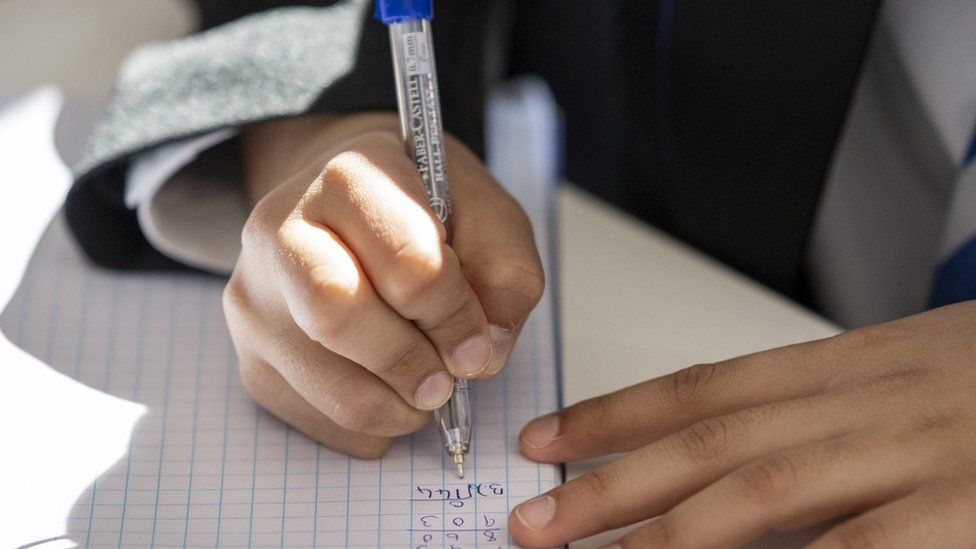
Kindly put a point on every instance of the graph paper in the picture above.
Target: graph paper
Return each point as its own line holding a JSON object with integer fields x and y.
{"x": 206, "y": 467}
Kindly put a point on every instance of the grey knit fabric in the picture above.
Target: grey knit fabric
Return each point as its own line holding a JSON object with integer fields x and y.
{"x": 207, "y": 81}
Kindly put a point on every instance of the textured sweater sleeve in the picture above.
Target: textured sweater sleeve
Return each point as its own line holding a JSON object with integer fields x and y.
{"x": 277, "y": 63}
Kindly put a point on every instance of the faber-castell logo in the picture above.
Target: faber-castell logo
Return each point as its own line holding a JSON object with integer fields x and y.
{"x": 416, "y": 55}
{"x": 440, "y": 208}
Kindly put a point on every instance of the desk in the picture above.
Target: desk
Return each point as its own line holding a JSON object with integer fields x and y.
{"x": 638, "y": 304}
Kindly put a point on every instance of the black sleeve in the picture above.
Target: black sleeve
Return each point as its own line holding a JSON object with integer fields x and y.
{"x": 214, "y": 13}
{"x": 715, "y": 120}
{"x": 317, "y": 57}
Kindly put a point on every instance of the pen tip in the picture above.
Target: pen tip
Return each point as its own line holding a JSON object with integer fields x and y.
{"x": 460, "y": 470}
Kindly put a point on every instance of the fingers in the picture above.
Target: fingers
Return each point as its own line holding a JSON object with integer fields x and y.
{"x": 339, "y": 389}
{"x": 273, "y": 393}
{"x": 333, "y": 302}
{"x": 944, "y": 515}
{"x": 651, "y": 480}
{"x": 810, "y": 482}
{"x": 494, "y": 242}
{"x": 632, "y": 417}
{"x": 372, "y": 196}
{"x": 347, "y": 291}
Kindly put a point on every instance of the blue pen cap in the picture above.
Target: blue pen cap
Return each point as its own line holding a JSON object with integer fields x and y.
{"x": 391, "y": 11}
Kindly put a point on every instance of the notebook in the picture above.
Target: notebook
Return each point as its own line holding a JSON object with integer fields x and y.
{"x": 127, "y": 426}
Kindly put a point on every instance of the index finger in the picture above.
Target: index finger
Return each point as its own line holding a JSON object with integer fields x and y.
{"x": 649, "y": 481}
{"x": 494, "y": 241}
{"x": 373, "y": 198}
{"x": 632, "y": 417}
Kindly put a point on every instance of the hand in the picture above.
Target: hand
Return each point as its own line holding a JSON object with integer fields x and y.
{"x": 876, "y": 425}
{"x": 348, "y": 310}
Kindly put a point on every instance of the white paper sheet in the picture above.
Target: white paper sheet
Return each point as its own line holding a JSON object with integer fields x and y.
{"x": 205, "y": 466}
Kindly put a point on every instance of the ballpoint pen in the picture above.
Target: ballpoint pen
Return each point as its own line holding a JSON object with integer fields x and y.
{"x": 423, "y": 138}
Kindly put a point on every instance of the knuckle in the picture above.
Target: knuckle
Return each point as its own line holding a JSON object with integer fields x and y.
{"x": 327, "y": 286}
{"x": 770, "y": 479}
{"x": 330, "y": 305}
{"x": 333, "y": 282}
{"x": 904, "y": 375}
{"x": 340, "y": 171}
{"x": 457, "y": 322}
{"x": 604, "y": 412}
{"x": 707, "y": 440}
{"x": 343, "y": 168}
{"x": 373, "y": 412}
{"x": 406, "y": 362}
{"x": 692, "y": 388}
{"x": 419, "y": 267}
{"x": 365, "y": 413}
{"x": 598, "y": 484}
{"x": 258, "y": 226}
{"x": 325, "y": 328}
{"x": 234, "y": 298}
{"x": 863, "y": 533}
{"x": 522, "y": 282}
{"x": 928, "y": 417}
{"x": 590, "y": 419}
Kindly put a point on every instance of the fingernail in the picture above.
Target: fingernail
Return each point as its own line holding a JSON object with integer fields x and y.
{"x": 537, "y": 512}
{"x": 472, "y": 356}
{"x": 434, "y": 391}
{"x": 542, "y": 431}
{"x": 501, "y": 348}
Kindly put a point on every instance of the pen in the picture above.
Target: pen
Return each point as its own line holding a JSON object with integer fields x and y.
{"x": 422, "y": 131}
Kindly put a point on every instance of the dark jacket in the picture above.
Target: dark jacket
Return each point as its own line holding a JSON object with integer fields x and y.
{"x": 715, "y": 120}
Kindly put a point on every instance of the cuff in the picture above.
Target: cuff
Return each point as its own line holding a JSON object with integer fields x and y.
{"x": 189, "y": 200}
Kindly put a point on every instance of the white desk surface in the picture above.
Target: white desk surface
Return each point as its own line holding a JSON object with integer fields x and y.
{"x": 637, "y": 303}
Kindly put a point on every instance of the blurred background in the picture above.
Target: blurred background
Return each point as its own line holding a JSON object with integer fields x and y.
{"x": 78, "y": 45}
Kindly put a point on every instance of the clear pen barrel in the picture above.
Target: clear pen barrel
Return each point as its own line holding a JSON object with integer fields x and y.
{"x": 422, "y": 131}
{"x": 454, "y": 420}
{"x": 420, "y": 111}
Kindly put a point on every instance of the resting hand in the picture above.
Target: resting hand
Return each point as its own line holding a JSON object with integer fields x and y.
{"x": 348, "y": 310}
{"x": 877, "y": 426}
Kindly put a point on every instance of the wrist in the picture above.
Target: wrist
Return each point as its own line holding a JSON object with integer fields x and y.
{"x": 277, "y": 150}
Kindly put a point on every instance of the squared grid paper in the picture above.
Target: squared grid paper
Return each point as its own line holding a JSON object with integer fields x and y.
{"x": 206, "y": 467}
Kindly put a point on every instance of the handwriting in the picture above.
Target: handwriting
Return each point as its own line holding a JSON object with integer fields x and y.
{"x": 435, "y": 529}
{"x": 458, "y": 494}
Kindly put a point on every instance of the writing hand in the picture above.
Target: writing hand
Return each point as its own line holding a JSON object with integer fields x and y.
{"x": 876, "y": 426}
{"x": 348, "y": 310}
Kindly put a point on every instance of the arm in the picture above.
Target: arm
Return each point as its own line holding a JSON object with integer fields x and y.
{"x": 331, "y": 59}
{"x": 347, "y": 314}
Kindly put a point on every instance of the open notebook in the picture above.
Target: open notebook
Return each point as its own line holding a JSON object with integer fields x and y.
{"x": 156, "y": 444}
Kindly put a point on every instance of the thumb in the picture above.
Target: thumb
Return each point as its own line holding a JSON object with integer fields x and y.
{"x": 494, "y": 242}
